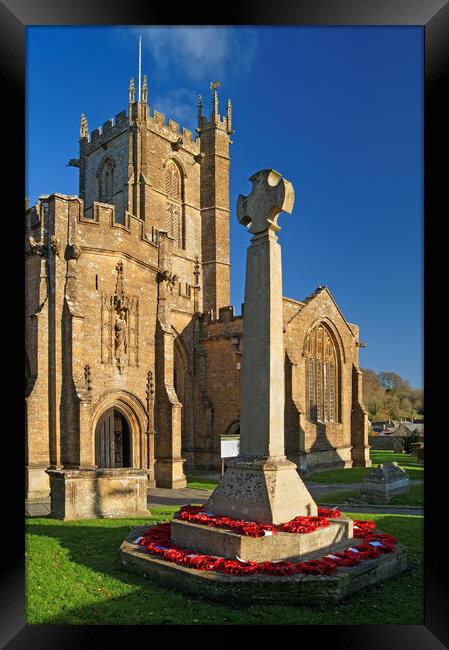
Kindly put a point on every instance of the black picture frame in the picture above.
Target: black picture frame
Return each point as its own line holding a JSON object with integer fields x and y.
{"x": 15, "y": 16}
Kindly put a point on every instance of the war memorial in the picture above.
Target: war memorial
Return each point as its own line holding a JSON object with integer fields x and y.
{"x": 260, "y": 536}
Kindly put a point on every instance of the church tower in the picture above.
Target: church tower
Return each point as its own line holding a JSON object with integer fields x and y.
{"x": 215, "y": 135}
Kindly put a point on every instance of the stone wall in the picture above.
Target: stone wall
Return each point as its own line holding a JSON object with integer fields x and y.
{"x": 389, "y": 443}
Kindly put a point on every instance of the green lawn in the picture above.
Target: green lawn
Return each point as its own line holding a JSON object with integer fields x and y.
{"x": 337, "y": 497}
{"x": 199, "y": 479}
{"x": 73, "y": 576}
{"x": 355, "y": 475}
{"x": 414, "y": 498}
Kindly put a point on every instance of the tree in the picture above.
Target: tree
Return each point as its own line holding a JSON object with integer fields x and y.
{"x": 387, "y": 395}
{"x": 394, "y": 383}
{"x": 372, "y": 392}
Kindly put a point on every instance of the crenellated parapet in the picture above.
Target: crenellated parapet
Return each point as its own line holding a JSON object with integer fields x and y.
{"x": 222, "y": 326}
{"x": 58, "y": 226}
{"x": 110, "y": 129}
{"x": 180, "y": 138}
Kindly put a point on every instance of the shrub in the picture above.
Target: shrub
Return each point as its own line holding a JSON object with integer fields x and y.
{"x": 414, "y": 436}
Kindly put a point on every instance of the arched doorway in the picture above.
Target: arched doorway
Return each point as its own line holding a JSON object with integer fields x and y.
{"x": 113, "y": 440}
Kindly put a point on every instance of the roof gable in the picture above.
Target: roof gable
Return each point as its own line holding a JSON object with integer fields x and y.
{"x": 318, "y": 294}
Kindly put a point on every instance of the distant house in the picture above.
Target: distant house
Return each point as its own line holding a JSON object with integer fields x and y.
{"x": 383, "y": 426}
{"x": 412, "y": 426}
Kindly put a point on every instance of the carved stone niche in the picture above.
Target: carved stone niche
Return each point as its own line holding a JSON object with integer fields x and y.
{"x": 119, "y": 326}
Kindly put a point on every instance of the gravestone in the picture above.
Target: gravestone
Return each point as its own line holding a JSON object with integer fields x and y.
{"x": 384, "y": 482}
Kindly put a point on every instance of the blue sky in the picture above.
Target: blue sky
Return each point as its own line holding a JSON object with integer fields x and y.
{"x": 337, "y": 110}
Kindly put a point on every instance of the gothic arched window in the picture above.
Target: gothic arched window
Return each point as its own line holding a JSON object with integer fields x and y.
{"x": 106, "y": 181}
{"x": 173, "y": 189}
{"x": 321, "y": 376}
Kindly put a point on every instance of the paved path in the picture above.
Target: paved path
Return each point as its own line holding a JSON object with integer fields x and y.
{"x": 377, "y": 509}
{"x": 159, "y": 497}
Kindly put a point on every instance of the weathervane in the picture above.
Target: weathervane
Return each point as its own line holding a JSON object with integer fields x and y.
{"x": 214, "y": 85}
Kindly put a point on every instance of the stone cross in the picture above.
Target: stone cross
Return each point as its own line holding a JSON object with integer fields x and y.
{"x": 262, "y": 375}
{"x": 271, "y": 194}
{"x": 261, "y": 484}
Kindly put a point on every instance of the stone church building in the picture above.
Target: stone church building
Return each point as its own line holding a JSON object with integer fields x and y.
{"x": 133, "y": 352}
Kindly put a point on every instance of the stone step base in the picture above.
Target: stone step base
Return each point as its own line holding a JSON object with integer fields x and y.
{"x": 282, "y": 546}
{"x": 294, "y": 590}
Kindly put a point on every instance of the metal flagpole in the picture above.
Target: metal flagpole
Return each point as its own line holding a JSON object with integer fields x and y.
{"x": 140, "y": 61}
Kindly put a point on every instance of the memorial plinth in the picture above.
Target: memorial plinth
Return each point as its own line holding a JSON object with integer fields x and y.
{"x": 282, "y": 546}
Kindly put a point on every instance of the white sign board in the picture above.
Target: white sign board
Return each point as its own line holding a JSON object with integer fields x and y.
{"x": 230, "y": 447}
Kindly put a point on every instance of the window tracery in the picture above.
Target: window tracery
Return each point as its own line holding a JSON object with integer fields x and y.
{"x": 173, "y": 189}
{"x": 321, "y": 376}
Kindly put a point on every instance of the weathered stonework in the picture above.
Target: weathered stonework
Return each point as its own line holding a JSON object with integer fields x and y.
{"x": 91, "y": 494}
{"x": 132, "y": 277}
{"x": 297, "y": 589}
{"x": 282, "y": 546}
{"x": 384, "y": 482}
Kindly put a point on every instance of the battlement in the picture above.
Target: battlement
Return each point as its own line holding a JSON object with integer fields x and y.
{"x": 100, "y": 215}
{"x": 167, "y": 128}
{"x": 224, "y": 315}
{"x": 110, "y": 129}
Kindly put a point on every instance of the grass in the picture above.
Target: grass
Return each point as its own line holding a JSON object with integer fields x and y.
{"x": 336, "y": 497}
{"x": 199, "y": 479}
{"x": 355, "y": 474}
{"x": 73, "y": 576}
{"x": 413, "y": 498}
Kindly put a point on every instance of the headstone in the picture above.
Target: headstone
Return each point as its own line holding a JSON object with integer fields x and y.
{"x": 384, "y": 482}
{"x": 261, "y": 484}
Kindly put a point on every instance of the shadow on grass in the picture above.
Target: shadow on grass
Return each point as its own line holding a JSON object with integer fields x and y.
{"x": 97, "y": 548}
{"x": 131, "y": 599}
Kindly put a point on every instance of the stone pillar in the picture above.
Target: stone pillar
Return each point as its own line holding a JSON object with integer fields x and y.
{"x": 261, "y": 484}
{"x": 169, "y": 462}
{"x": 359, "y": 423}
